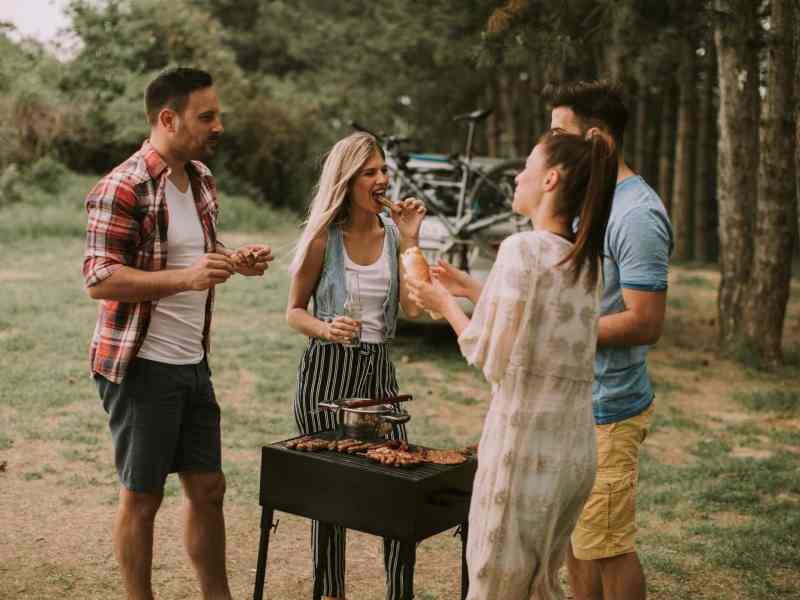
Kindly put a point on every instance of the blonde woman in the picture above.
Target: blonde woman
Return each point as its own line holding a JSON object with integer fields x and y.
{"x": 346, "y": 232}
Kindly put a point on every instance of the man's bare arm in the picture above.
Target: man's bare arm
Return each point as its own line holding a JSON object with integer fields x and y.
{"x": 127, "y": 284}
{"x": 639, "y": 324}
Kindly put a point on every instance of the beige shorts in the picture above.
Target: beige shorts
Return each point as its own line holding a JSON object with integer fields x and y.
{"x": 607, "y": 525}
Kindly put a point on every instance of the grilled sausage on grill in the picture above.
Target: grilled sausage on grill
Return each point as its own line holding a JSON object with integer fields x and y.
{"x": 343, "y": 445}
{"x": 292, "y": 444}
{"x": 313, "y": 445}
{"x": 356, "y": 448}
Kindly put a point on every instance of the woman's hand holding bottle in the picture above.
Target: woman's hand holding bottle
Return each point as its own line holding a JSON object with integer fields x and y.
{"x": 341, "y": 330}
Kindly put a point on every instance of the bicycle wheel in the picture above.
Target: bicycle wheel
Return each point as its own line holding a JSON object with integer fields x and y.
{"x": 494, "y": 191}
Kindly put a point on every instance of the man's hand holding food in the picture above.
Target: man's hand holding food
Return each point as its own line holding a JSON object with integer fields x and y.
{"x": 251, "y": 260}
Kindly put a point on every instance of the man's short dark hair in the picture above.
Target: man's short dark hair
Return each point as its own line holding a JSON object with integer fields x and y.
{"x": 595, "y": 103}
{"x": 172, "y": 88}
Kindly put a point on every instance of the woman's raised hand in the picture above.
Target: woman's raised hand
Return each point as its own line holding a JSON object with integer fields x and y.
{"x": 408, "y": 215}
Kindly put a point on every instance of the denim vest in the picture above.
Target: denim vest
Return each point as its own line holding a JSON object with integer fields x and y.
{"x": 329, "y": 295}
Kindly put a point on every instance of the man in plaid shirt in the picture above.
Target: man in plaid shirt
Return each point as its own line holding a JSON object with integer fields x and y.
{"x": 153, "y": 259}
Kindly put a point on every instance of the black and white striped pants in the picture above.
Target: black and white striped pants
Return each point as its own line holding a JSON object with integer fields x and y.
{"x": 329, "y": 372}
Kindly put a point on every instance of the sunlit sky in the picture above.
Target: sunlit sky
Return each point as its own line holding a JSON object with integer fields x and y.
{"x": 40, "y": 19}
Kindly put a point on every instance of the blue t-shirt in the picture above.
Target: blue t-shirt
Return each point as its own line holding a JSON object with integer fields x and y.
{"x": 637, "y": 248}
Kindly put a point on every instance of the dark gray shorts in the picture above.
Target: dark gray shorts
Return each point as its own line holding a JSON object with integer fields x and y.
{"x": 163, "y": 419}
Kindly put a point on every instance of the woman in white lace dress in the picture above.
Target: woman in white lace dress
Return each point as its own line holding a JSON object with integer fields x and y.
{"x": 533, "y": 334}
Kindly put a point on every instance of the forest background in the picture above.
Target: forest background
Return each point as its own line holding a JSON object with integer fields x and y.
{"x": 711, "y": 91}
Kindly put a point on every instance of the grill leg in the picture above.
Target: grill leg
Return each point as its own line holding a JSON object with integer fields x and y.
{"x": 263, "y": 545}
{"x": 464, "y": 530}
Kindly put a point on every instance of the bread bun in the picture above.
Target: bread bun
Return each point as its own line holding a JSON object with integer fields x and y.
{"x": 416, "y": 268}
{"x": 415, "y": 264}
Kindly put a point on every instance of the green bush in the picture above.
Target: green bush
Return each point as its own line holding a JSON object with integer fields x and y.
{"x": 45, "y": 177}
{"x": 239, "y": 213}
{"x": 48, "y": 201}
{"x": 45, "y": 210}
{"x": 9, "y": 185}
{"x": 267, "y": 145}
{"x": 47, "y": 174}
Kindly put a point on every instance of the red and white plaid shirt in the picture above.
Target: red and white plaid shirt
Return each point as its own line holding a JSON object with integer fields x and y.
{"x": 127, "y": 226}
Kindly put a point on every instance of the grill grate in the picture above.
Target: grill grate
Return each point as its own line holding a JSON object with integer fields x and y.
{"x": 362, "y": 463}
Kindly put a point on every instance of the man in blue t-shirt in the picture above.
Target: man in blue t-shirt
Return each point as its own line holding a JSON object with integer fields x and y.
{"x": 602, "y": 561}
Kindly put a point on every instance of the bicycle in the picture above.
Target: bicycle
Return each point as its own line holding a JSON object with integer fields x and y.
{"x": 470, "y": 197}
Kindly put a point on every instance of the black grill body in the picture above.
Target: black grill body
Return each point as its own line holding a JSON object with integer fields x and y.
{"x": 408, "y": 504}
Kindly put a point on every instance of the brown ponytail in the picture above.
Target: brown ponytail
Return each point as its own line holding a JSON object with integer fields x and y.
{"x": 589, "y": 170}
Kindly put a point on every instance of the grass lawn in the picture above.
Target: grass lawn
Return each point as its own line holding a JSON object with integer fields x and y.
{"x": 719, "y": 504}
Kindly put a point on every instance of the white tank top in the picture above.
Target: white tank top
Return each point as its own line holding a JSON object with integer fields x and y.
{"x": 373, "y": 281}
{"x": 175, "y": 334}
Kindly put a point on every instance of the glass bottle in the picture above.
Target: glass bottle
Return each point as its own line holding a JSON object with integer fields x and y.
{"x": 352, "y": 306}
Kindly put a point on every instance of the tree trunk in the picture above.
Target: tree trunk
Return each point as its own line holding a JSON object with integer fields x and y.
{"x": 553, "y": 71}
{"x": 652, "y": 140}
{"x": 492, "y": 129}
{"x": 776, "y": 212}
{"x": 536, "y": 101}
{"x": 613, "y": 62}
{"x": 523, "y": 109}
{"x": 629, "y": 149}
{"x": 666, "y": 146}
{"x": 797, "y": 112}
{"x": 536, "y": 104}
{"x": 640, "y": 135}
{"x": 737, "y": 56}
{"x": 505, "y": 113}
{"x": 704, "y": 230}
{"x": 619, "y": 17}
{"x": 682, "y": 188}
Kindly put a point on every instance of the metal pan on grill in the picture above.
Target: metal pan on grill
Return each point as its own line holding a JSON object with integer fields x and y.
{"x": 367, "y": 418}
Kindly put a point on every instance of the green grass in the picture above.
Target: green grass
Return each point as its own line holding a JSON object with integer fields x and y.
{"x": 756, "y": 366}
{"x": 715, "y": 515}
{"x": 766, "y": 493}
{"x": 673, "y": 418}
{"x": 677, "y": 302}
{"x": 785, "y": 436}
{"x": 783, "y": 402}
{"x": 690, "y": 364}
{"x": 694, "y": 281}
{"x": 664, "y": 386}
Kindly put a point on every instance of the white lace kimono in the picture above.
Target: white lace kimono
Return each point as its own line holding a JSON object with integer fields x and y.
{"x": 533, "y": 333}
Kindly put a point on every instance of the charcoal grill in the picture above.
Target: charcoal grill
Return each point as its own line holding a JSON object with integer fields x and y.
{"x": 408, "y": 504}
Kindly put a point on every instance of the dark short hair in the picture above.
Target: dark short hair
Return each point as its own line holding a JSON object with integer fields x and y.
{"x": 595, "y": 103}
{"x": 172, "y": 88}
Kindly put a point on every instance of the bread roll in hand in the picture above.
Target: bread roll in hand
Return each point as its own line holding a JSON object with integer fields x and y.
{"x": 416, "y": 268}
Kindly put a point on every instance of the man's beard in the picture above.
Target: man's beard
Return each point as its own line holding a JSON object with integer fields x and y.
{"x": 203, "y": 150}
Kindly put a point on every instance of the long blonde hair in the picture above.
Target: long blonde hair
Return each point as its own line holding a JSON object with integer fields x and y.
{"x": 330, "y": 204}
